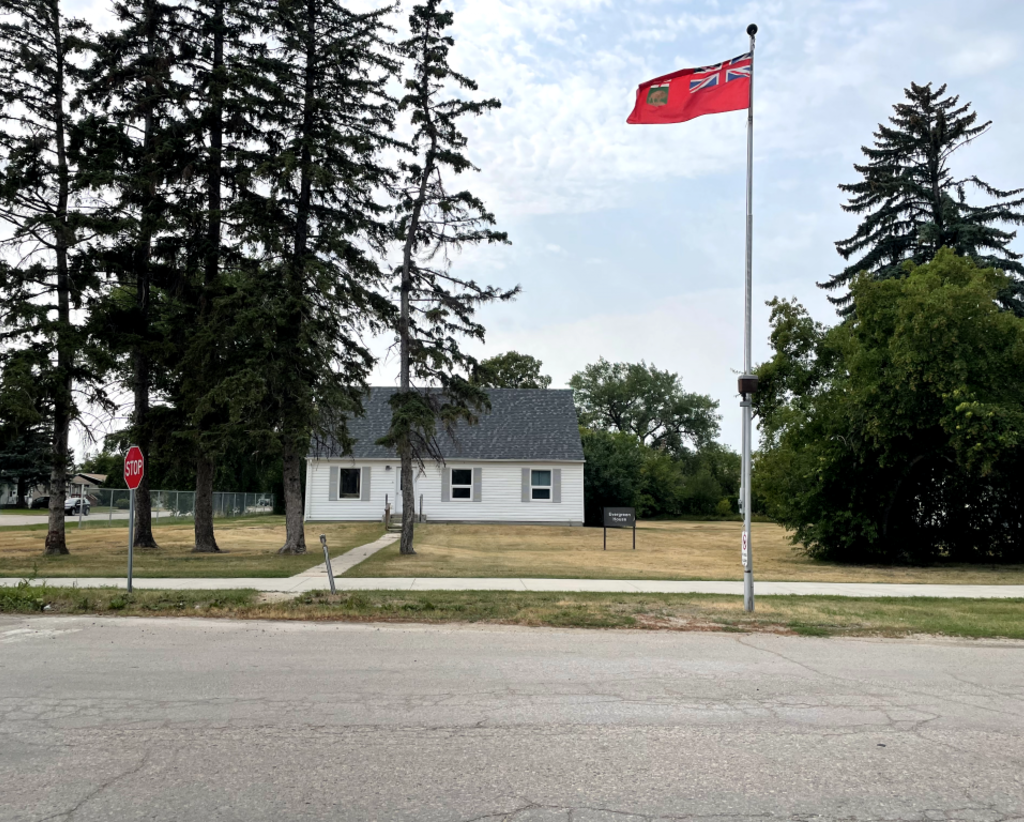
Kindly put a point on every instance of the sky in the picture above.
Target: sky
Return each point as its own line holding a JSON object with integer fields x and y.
{"x": 628, "y": 241}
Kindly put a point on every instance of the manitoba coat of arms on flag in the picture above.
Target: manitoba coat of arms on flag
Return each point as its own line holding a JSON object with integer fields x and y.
{"x": 689, "y": 93}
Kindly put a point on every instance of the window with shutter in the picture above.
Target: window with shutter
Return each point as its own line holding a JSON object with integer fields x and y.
{"x": 462, "y": 483}
{"x": 349, "y": 483}
{"x": 540, "y": 485}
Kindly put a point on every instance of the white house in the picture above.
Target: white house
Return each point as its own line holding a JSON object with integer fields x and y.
{"x": 523, "y": 462}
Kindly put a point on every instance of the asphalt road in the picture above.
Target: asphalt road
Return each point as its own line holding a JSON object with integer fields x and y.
{"x": 133, "y": 719}
{"x": 70, "y": 521}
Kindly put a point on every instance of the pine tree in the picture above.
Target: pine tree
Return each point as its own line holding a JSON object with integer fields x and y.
{"x": 436, "y": 307}
{"x": 912, "y": 205}
{"x": 25, "y": 427}
{"x": 317, "y": 215}
{"x": 135, "y": 150}
{"x": 229, "y": 98}
{"x": 41, "y": 215}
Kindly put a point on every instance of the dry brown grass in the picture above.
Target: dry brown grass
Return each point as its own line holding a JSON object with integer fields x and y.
{"x": 249, "y": 549}
{"x": 665, "y": 550}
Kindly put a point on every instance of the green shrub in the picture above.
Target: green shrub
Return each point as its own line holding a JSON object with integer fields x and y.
{"x": 22, "y": 597}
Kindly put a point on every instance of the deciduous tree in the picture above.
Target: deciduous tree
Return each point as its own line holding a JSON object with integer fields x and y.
{"x": 648, "y": 403}
{"x": 510, "y": 370}
{"x": 896, "y": 436}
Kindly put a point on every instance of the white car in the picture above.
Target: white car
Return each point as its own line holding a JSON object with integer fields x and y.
{"x": 73, "y": 504}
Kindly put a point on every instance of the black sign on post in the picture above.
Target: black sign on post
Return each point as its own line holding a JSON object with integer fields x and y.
{"x": 619, "y": 518}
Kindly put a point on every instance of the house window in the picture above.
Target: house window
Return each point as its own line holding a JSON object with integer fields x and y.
{"x": 540, "y": 485}
{"x": 348, "y": 483}
{"x": 462, "y": 483}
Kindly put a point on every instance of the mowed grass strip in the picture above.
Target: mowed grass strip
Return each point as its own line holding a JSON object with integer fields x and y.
{"x": 248, "y": 549}
{"x": 664, "y": 550}
{"x": 811, "y": 616}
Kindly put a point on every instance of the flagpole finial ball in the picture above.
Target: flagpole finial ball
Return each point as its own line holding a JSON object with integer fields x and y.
{"x": 752, "y": 29}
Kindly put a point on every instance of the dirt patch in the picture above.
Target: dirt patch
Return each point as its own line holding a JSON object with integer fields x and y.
{"x": 266, "y": 597}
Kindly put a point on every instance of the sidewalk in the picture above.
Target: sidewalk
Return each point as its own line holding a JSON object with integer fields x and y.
{"x": 315, "y": 579}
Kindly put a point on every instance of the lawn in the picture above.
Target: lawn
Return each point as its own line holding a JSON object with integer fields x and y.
{"x": 248, "y": 549}
{"x": 665, "y": 550}
{"x": 807, "y": 615}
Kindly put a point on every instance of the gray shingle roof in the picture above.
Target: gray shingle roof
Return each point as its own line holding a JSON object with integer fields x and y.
{"x": 523, "y": 424}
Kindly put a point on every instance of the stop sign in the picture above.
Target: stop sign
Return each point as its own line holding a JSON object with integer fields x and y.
{"x": 133, "y": 467}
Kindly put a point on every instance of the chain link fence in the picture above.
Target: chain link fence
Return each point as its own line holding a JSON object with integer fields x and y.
{"x": 112, "y": 503}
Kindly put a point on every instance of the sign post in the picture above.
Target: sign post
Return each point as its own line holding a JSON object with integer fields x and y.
{"x": 619, "y": 518}
{"x": 327, "y": 562}
{"x": 134, "y": 466}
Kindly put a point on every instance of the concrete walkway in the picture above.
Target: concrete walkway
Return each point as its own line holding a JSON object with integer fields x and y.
{"x": 348, "y": 560}
{"x": 315, "y": 579}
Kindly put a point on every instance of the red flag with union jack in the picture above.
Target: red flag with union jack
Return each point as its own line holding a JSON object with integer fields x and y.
{"x": 689, "y": 93}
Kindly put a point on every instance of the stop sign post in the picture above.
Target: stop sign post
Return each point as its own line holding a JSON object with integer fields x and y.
{"x": 134, "y": 467}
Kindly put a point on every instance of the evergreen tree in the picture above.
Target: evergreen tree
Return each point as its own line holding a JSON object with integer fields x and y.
{"x": 136, "y": 152}
{"x": 912, "y": 205}
{"x": 25, "y": 424}
{"x": 41, "y": 215}
{"x": 230, "y": 97}
{"x": 436, "y": 307}
{"x": 316, "y": 213}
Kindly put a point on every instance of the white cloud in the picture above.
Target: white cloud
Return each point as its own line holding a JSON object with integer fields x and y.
{"x": 585, "y": 197}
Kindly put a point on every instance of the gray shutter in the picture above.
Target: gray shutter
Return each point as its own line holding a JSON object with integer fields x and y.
{"x": 556, "y": 485}
{"x": 526, "y": 485}
{"x": 364, "y": 485}
{"x": 477, "y": 476}
{"x": 446, "y": 484}
{"x": 332, "y": 491}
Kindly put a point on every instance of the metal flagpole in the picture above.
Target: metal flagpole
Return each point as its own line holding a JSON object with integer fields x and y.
{"x": 748, "y": 383}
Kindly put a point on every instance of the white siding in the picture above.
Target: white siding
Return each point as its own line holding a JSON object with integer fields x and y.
{"x": 500, "y": 493}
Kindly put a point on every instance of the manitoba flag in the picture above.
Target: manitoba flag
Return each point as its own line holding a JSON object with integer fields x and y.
{"x": 689, "y": 93}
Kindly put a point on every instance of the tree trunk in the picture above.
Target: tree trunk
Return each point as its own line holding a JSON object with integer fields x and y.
{"x": 211, "y": 268}
{"x": 22, "y": 492}
{"x": 205, "y": 541}
{"x": 143, "y": 501}
{"x": 405, "y": 344}
{"x": 62, "y": 401}
{"x": 55, "y": 542}
{"x": 140, "y": 361}
{"x": 295, "y": 533}
{"x": 408, "y": 503}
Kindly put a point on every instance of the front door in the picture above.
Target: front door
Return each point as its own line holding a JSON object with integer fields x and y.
{"x": 396, "y": 509}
